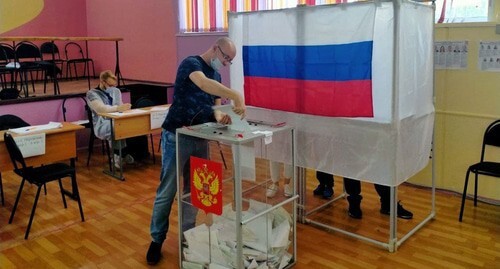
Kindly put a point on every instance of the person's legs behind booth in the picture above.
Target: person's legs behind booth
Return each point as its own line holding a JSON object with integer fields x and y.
{"x": 275, "y": 168}
{"x": 325, "y": 186}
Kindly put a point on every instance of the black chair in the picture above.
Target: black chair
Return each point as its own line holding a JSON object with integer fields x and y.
{"x": 483, "y": 167}
{"x": 7, "y": 55}
{"x": 89, "y": 125}
{"x": 74, "y": 55}
{"x": 39, "y": 176}
{"x": 8, "y": 121}
{"x": 50, "y": 53}
{"x": 4, "y": 70}
{"x": 30, "y": 58}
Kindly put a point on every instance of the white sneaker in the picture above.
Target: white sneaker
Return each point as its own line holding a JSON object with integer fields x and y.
{"x": 128, "y": 159}
{"x": 288, "y": 190}
{"x": 116, "y": 161}
{"x": 272, "y": 190}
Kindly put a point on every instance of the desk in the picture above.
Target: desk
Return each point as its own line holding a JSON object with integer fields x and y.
{"x": 126, "y": 126}
{"x": 60, "y": 145}
{"x": 85, "y": 38}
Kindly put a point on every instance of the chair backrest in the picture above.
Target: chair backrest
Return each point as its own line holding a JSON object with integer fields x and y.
{"x": 48, "y": 48}
{"x": 4, "y": 59}
{"x": 87, "y": 111}
{"x": 14, "y": 152}
{"x": 8, "y": 52}
{"x": 72, "y": 50}
{"x": 144, "y": 101}
{"x": 9, "y": 121}
{"x": 491, "y": 137}
{"x": 28, "y": 50}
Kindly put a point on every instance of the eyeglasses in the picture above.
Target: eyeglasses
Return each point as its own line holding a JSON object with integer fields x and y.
{"x": 225, "y": 56}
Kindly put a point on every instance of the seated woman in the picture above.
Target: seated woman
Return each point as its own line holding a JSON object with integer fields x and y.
{"x": 103, "y": 99}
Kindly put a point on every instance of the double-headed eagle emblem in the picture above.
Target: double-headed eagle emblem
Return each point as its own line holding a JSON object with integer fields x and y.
{"x": 207, "y": 185}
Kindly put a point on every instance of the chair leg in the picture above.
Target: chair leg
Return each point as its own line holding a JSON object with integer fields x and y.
{"x": 91, "y": 146}
{"x": 33, "y": 212}
{"x": 109, "y": 156}
{"x": 68, "y": 68}
{"x": 463, "y": 195}
{"x": 17, "y": 201}
{"x": 76, "y": 71}
{"x": 1, "y": 190}
{"x": 475, "y": 190}
{"x": 93, "y": 69}
{"x": 45, "y": 188}
{"x": 62, "y": 193}
{"x": 222, "y": 155}
{"x": 76, "y": 194}
{"x": 152, "y": 148}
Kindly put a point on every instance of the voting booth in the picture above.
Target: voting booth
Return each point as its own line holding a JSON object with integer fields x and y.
{"x": 354, "y": 80}
{"x": 225, "y": 218}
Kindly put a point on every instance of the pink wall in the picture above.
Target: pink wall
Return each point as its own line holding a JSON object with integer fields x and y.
{"x": 149, "y": 29}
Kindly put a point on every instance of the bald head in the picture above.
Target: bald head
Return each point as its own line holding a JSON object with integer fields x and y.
{"x": 226, "y": 47}
{"x": 226, "y": 44}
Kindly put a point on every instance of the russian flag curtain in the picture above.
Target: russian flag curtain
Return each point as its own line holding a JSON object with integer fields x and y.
{"x": 323, "y": 68}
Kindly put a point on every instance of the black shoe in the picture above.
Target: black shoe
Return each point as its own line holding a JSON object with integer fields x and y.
{"x": 355, "y": 212}
{"x": 319, "y": 190}
{"x": 154, "y": 253}
{"x": 328, "y": 193}
{"x": 402, "y": 213}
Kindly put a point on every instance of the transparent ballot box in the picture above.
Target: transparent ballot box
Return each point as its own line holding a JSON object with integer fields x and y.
{"x": 231, "y": 215}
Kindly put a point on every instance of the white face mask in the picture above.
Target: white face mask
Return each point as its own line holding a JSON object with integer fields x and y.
{"x": 216, "y": 64}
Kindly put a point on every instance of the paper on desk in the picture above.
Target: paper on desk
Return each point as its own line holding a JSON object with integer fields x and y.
{"x": 237, "y": 124}
{"x": 31, "y": 145}
{"x": 36, "y": 128}
{"x": 128, "y": 112}
{"x": 80, "y": 122}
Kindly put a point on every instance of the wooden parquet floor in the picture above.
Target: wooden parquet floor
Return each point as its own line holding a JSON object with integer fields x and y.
{"x": 115, "y": 233}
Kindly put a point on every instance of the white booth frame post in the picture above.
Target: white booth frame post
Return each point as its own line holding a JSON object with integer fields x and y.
{"x": 393, "y": 241}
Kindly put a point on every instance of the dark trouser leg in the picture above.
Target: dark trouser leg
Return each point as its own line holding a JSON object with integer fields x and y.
{"x": 325, "y": 179}
{"x": 384, "y": 192}
{"x": 353, "y": 189}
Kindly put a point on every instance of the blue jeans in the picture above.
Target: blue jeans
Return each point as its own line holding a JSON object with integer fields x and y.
{"x": 167, "y": 189}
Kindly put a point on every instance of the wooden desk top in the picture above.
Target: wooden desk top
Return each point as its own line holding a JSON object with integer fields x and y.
{"x": 125, "y": 115}
{"x": 66, "y": 127}
{"x": 58, "y": 38}
{"x": 133, "y": 124}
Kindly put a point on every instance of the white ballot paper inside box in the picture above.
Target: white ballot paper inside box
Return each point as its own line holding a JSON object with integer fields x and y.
{"x": 31, "y": 145}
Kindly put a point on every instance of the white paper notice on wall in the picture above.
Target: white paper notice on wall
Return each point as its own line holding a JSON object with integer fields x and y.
{"x": 31, "y": 145}
{"x": 157, "y": 118}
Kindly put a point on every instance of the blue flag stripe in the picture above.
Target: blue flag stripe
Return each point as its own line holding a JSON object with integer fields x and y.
{"x": 342, "y": 62}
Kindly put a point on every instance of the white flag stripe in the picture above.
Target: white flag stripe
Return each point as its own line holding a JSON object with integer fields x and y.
{"x": 320, "y": 26}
